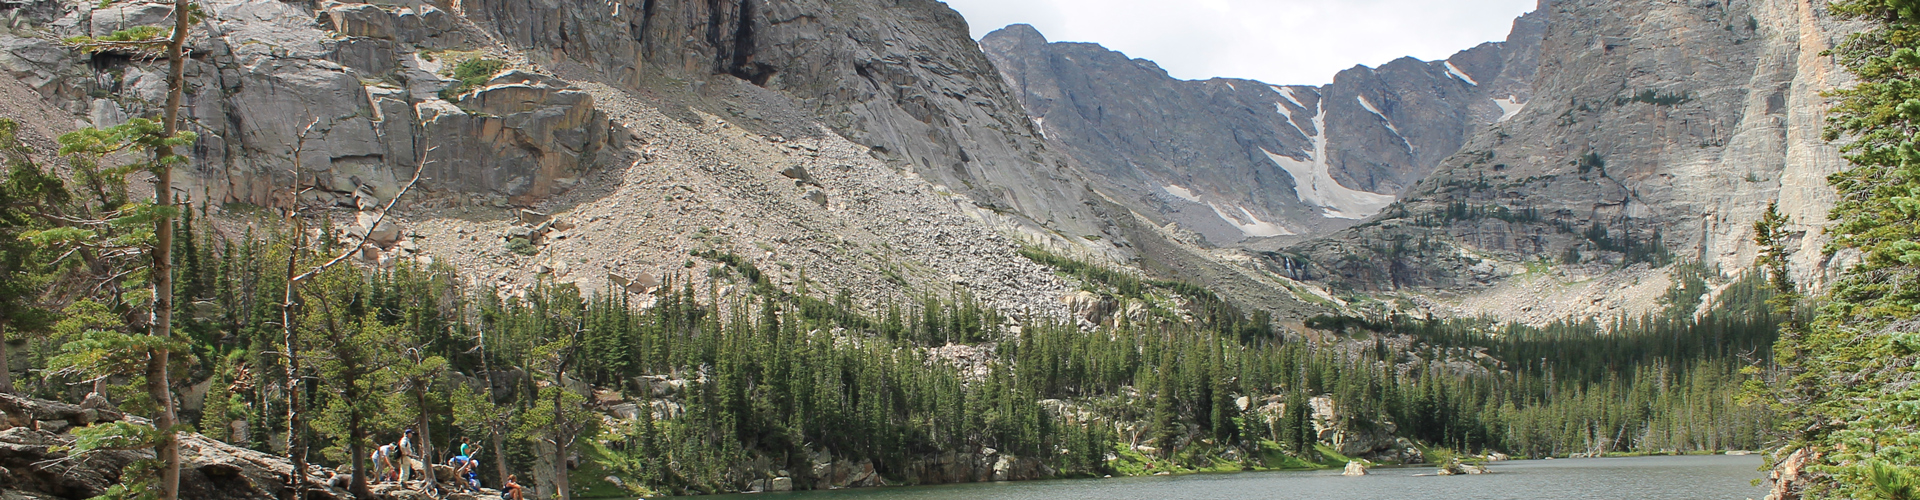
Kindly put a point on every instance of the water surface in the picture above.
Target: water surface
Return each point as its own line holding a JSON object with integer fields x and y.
{"x": 1644, "y": 478}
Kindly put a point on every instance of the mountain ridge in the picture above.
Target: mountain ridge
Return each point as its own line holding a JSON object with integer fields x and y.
{"x": 1238, "y": 159}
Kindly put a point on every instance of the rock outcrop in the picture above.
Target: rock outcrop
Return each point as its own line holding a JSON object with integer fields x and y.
{"x": 1236, "y": 159}
{"x": 1361, "y": 435}
{"x": 32, "y": 467}
{"x": 1455, "y": 467}
{"x": 345, "y": 104}
{"x": 1649, "y": 137}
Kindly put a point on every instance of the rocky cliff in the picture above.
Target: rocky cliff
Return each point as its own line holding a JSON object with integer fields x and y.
{"x": 869, "y": 145}
{"x": 1238, "y": 160}
{"x": 900, "y": 77}
{"x": 1657, "y": 133}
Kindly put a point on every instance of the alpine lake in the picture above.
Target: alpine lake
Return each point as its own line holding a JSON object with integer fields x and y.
{"x": 1704, "y": 477}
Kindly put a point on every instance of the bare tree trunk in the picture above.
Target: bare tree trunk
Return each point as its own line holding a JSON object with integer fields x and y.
{"x": 296, "y": 440}
{"x": 494, "y": 426}
{"x": 356, "y": 435}
{"x": 6, "y": 365}
{"x": 426, "y": 437}
{"x": 158, "y": 380}
{"x": 499, "y": 454}
{"x": 560, "y": 445}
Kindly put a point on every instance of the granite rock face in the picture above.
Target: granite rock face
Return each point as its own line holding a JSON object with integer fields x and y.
{"x": 901, "y": 77}
{"x": 1656, "y": 132}
{"x": 341, "y": 97}
{"x": 1236, "y": 159}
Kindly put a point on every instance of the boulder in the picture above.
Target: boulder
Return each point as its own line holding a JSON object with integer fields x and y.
{"x": 800, "y": 176}
{"x": 361, "y": 20}
{"x": 1089, "y": 306}
{"x": 516, "y": 138}
{"x": 381, "y": 232}
{"x": 30, "y": 465}
{"x": 1354, "y": 468}
{"x": 35, "y": 62}
{"x": 1455, "y": 468}
{"x": 119, "y": 17}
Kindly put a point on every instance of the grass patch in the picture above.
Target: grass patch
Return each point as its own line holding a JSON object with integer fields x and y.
{"x": 1330, "y": 457}
{"x": 589, "y": 478}
{"x": 470, "y": 73}
{"x": 523, "y": 247}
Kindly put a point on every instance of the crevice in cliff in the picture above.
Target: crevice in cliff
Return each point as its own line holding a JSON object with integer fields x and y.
{"x": 639, "y": 31}
{"x": 742, "y": 64}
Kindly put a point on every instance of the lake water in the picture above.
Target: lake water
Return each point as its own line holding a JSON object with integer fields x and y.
{"x": 1717, "y": 477}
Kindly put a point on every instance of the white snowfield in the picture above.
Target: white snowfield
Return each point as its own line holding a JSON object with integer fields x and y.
{"x": 1249, "y": 225}
{"x": 1455, "y": 70}
{"x": 1182, "y": 193}
{"x": 1287, "y": 93}
{"x": 1509, "y": 106}
{"x": 1313, "y": 180}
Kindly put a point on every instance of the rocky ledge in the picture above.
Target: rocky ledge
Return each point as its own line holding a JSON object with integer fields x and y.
{"x": 33, "y": 467}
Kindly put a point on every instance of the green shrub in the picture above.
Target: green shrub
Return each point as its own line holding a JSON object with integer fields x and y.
{"x": 471, "y": 73}
{"x": 523, "y": 247}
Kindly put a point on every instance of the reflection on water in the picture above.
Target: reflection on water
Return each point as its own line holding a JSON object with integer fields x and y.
{"x": 1645, "y": 478}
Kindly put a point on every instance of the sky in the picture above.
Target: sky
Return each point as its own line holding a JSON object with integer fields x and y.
{"x": 1275, "y": 41}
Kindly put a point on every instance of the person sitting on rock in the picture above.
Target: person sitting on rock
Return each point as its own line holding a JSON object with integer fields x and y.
{"x": 511, "y": 488}
{"x": 464, "y": 477}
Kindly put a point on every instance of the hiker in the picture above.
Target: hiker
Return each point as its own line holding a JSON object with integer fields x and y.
{"x": 403, "y": 456}
{"x": 468, "y": 448}
{"x": 463, "y": 473}
{"x": 511, "y": 489}
{"x": 383, "y": 462}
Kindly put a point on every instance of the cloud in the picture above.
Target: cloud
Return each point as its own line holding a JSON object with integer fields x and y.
{"x": 1275, "y": 41}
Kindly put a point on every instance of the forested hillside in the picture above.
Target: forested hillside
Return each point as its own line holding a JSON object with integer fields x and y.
{"x": 1846, "y": 391}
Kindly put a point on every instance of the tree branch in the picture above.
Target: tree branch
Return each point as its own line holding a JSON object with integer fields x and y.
{"x": 344, "y": 255}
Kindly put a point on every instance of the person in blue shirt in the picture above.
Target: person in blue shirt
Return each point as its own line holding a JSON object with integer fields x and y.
{"x": 463, "y": 470}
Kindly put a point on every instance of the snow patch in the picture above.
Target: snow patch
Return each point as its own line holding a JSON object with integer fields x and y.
{"x": 1288, "y": 94}
{"x": 1250, "y": 226}
{"x": 1509, "y": 106}
{"x": 1182, "y": 193}
{"x": 1383, "y": 116}
{"x": 1455, "y": 70}
{"x": 1313, "y": 181}
{"x": 1282, "y": 109}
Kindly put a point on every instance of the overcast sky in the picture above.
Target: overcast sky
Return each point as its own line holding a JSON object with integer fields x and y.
{"x": 1275, "y": 41}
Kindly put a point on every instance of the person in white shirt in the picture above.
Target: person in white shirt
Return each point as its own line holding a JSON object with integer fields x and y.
{"x": 382, "y": 462}
{"x": 405, "y": 452}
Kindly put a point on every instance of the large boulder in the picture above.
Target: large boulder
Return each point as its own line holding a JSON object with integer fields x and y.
{"x": 1456, "y": 467}
{"x": 515, "y": 136}
{"x": 31, "y": 465}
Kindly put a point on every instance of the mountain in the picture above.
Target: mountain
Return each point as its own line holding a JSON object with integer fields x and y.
{"x": 869, "y": 145}
{"x": 652, "y": 248}
{"x": 1245, "y": 161}
{"x": 1657, "y": 134}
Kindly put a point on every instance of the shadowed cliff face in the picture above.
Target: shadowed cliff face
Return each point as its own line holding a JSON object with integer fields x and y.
{"x": 1657, "y": 132}
{"x": 1245, "y": 161}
